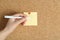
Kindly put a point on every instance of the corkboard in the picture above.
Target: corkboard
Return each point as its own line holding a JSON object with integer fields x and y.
{"x": 48, "y": 19}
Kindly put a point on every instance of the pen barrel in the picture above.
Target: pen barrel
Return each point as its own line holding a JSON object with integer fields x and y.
{"x": 11, "y": 17}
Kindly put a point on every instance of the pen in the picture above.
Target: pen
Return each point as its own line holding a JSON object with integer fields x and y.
{"x": 11, "y": 17}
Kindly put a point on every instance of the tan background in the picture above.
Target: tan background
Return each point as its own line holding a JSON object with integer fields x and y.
{"x": 48, "y": 19}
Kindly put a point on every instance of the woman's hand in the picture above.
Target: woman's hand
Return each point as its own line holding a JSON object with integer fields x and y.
{"x": 12, "y": 24}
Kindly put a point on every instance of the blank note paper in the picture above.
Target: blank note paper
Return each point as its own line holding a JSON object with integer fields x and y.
{"x": 31, "y": 19}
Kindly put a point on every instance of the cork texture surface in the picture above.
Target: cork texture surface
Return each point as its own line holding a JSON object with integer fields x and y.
{"x": 48, "y": 19}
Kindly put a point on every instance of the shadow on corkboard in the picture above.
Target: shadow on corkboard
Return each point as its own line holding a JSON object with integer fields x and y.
{"x": 3, "y": 21}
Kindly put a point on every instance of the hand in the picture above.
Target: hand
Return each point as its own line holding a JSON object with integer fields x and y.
{"x": 12, "y": 24}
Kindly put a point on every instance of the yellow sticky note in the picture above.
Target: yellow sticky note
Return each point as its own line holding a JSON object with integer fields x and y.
{"x": 31, "y": 19}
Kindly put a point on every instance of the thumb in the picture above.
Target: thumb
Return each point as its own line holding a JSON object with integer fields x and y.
{"x": 19, "y": 21}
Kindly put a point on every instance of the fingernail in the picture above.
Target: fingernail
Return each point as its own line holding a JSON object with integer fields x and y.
{"x": 22, "y": 23}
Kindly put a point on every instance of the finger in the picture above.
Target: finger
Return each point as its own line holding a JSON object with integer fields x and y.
{"x": 23, "y": 22}
{"x": 22, "y": 15}
{"x": 13, "y": 19}
{"x": 20, "y": 21}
